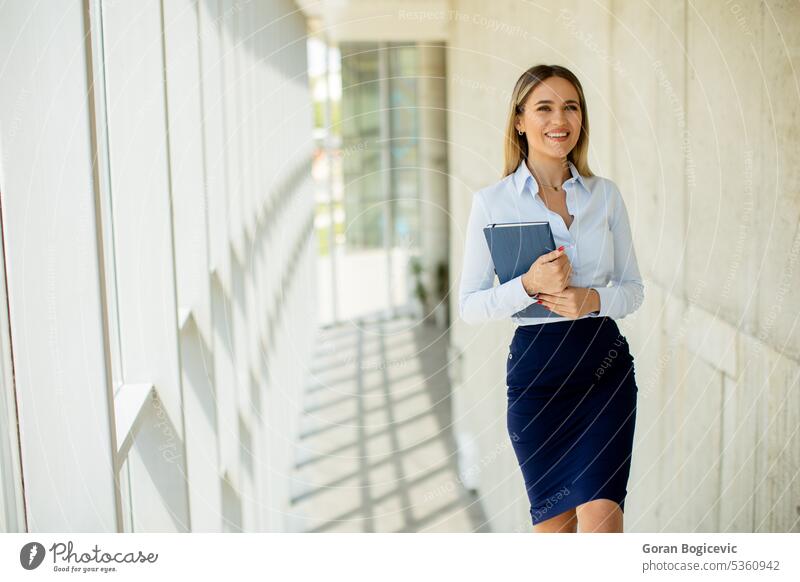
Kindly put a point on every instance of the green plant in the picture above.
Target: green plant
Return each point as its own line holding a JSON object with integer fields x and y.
{"x": 442, "y": 280}
{"x": 419, "y": 288}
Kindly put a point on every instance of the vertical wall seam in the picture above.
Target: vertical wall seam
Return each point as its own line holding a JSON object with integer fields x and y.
{"x": 761, "y": 133}
{"x": 207, "y": 279}
{"x": 179, "y": 356}
{"x": 685, "y": 156}
{"x": 12, "y": 370}
{"x": 92, "y": 7}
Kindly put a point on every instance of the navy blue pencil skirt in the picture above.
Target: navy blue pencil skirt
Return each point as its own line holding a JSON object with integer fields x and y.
{"x": 571, "y": 412}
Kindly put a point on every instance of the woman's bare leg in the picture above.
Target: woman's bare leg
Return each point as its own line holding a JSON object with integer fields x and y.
{"x": 600, "y": 515}
{"x": 566, "y": 522}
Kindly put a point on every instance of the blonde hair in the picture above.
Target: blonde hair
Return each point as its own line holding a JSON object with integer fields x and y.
{"x": 516, "y": 146}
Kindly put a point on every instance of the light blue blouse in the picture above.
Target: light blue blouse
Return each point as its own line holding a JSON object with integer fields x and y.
{"x": 599, "y": 246}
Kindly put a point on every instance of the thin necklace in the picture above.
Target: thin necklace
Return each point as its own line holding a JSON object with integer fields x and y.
{"x": 556, "y": 187}
{"x": 553, "y": 186}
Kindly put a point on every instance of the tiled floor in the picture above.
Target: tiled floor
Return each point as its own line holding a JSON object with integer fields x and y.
{"x": 376, "y": 453}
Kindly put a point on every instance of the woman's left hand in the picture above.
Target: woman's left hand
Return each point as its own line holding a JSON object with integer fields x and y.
{"x": 572, "y": 302}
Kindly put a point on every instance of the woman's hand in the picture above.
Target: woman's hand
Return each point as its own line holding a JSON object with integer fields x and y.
{"x": 572, "y": 302}
{"x": 549, "y": 273}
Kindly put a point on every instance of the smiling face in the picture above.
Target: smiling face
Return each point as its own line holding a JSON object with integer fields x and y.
{"x": 551, "y": 110}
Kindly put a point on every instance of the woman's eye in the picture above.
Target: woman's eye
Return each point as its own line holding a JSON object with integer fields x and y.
{"x": 546, "y": 108}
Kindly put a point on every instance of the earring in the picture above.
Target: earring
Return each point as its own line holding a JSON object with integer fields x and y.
{"x": 520, "y": 132}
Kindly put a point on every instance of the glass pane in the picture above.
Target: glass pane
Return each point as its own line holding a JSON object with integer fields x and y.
{"x": 380, "y": 169}
{"x": 361, "y": 147}
{"x": 404, "y": 145}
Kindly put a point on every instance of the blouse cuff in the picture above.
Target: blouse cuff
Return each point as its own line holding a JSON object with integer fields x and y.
{"x": 608, "y": 296}
{"x": 522, "y": 297}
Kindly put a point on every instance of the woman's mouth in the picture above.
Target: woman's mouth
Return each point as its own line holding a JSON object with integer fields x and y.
{"x": 557, "y": 136}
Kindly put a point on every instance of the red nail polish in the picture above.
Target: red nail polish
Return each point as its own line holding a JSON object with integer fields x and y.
{"x": 539, "y": 301}
{"x": 561, "y": 248}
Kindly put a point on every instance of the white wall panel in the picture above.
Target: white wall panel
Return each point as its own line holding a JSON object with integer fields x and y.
{"x": 212, "y": 77}
{"x": 184, "y": 106}
{"x": 52, "y": 268}
{"x": 141, "y": 198}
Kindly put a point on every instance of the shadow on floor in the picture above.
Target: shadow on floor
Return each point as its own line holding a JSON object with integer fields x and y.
{"x": 376, "y": 452}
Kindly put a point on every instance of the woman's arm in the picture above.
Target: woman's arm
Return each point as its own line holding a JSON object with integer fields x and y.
{"x": 626, "y": 293}
{"x": 478, "y": 300}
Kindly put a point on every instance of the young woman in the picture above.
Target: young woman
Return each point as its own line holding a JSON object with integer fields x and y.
{"x": 570, "y": 376}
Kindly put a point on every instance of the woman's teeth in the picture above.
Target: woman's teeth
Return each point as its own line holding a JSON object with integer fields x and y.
{"x": 558, "y": 136}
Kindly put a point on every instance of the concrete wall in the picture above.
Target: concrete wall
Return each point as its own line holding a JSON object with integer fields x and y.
{"x": 157, "y": 236}
{"x": 693, "y": 109}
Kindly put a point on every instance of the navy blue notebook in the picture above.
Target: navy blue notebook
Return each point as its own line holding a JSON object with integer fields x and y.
{"x": 514, "y": 247}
